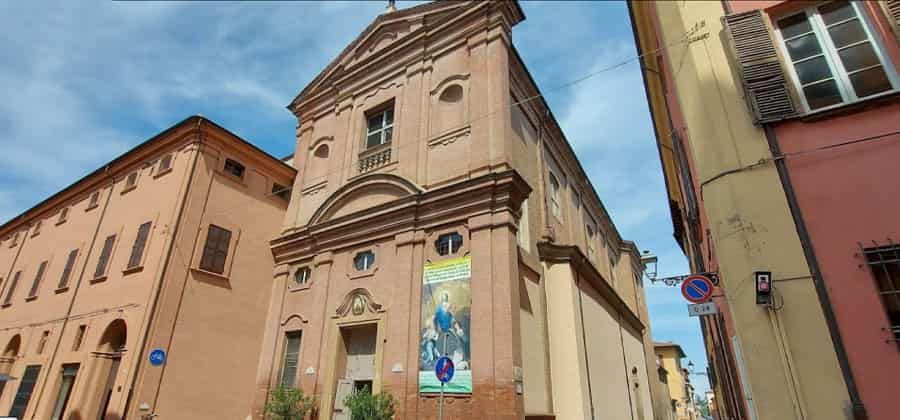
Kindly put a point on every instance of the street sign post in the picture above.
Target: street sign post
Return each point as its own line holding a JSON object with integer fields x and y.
{"x": 697, "y": 289}
{"x": 699, "y": 309}
{"x": 444, "y": 370}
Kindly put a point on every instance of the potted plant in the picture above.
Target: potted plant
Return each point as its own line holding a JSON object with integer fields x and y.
{"x": 365, "y": 406}
{"x": 288, "y": 404}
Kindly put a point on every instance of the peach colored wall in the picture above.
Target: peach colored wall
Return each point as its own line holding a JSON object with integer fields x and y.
{"x": 129, "y": 294}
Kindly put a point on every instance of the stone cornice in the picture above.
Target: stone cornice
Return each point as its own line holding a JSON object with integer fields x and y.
{"x": 488, "y": 194}
{"x": 572, "y": 255}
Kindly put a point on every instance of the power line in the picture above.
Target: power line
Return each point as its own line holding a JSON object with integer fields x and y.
{"x": 685, "y": 38}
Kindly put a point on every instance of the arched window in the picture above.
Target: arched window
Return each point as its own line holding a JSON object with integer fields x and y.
{"x": 321, "y": 151}
{"x": 448, "y": 243}
{"x": 301, "y": 277}
{"x": 364, "y": 260}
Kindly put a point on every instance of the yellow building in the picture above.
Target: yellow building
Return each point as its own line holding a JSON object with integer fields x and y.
{"x": 678, "y": 381}
{"x": 731, "y": 216}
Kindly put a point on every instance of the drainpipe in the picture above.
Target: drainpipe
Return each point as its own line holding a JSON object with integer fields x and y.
{"x": 857, "y": 407}
{"x": 87, "y": 257}
{"x": 168, "y": 257}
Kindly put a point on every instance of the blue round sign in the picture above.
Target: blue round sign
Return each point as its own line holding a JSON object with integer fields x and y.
{"x": 157, "y": 357}
{"x": 697, "y": 289}
{"x": 444, "y": 369}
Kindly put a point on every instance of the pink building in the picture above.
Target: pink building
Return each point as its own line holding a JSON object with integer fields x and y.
{"x": 840, "y": 169}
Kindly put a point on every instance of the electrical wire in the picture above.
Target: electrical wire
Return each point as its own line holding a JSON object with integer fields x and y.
{"x": 684, "y": 39}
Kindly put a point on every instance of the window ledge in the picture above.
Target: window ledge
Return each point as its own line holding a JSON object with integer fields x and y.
{"x": 61, "y": 222}
{"x": 210, "y": 273}
{"x": 162, "y": 172}
{"x": 134, "y": 269}
{"x": 128, "y": 189}
{"x": 299, "y": 288}
{"x": 851, "y": 107}
{"x": 6, "y": 305}
{"x": 31, "y": 298}
{"x": 97, "y": 279}
{"x": 235, "y": 179}
{"x": 63, "y": 289}
{"x": 361, "y": 274}
{"x": 89, "y": 208}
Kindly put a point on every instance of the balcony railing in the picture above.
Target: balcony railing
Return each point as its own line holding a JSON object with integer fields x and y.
{"x": 374, "y": 159}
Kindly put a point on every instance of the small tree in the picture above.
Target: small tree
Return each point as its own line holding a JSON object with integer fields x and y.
{"x": 365, "y": 406}
{"x": 288, "y": 404}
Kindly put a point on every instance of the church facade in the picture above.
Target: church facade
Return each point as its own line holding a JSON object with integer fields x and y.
{"x": 438, "y": 210}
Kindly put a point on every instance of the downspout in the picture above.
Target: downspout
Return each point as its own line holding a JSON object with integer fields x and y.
{"x": 71, "y": 306}
{"x": 587, "y": 365}
{"x": 857, "y": 406}
{"x": 165, "y": 266}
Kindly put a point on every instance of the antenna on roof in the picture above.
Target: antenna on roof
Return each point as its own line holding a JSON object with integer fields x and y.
{"x": 392, "y": 6}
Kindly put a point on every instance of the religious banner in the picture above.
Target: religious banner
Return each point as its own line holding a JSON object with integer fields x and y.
{"x": 446, "y": 315}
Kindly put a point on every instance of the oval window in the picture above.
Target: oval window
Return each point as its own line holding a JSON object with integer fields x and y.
{"x": 302, "y": 275}
{"x": 321, "y": 151}
{"x": 449, "y": 243}
{"x": 452, "y": 93}
{"x": 364, "y": 260}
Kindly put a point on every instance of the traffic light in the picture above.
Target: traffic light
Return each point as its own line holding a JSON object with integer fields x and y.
{"x": 763, "y": 287}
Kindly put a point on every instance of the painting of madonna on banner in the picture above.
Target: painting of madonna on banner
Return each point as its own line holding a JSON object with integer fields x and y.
{"x": 446, "y": 317}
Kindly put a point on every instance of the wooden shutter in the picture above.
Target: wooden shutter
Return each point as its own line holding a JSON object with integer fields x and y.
{"x": 12, "y": 288}
{"x": 758, "y": 63}
{"x": 67, "y": 270}
{"x": 892, "y": 10}
{"x": 104, "y": 256}
{"x": 137, "y": 250}
{"x": 215, "y": 251}
{"x": 37, "y": 279}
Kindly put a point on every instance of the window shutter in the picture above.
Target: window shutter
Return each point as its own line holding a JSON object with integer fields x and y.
{"x": 67, "y": 270}
{"x": 104, "y": 256}
{"x": 215, "y": 251}
{"x": 137, "y": 250}
{"x": 37, "y": 279}
{"x": 12, "y": 288}
{"x": 892, "y": 10}
{"x": 764, "y": 80}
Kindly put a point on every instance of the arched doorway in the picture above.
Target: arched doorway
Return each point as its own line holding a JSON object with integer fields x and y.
{"x": 109, "y": 356}
{"x": 8, "y": 359}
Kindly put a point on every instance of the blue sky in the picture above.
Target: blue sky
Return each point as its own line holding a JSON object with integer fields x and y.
{"x": 86, "y": 81}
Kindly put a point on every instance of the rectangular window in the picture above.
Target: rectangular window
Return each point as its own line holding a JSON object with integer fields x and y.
{"x": 554, "y": 195}
{"x": 11, "y": 288}
{"x": 23, "y": 395}
{"x": 67, "y": 270}
{"x": 234, "y": 168}
{"x": 215, "y": 252}
{"x": 15, "y": 240}
{"x": 79, "y": 337}
{"x": 833, "y": 55}
{"x": 37, "y": 228}
{"x": 100, "y": 271}
{"x": 37, "y": 279}
{"x": 63, "y": 215}
{"x": 43, "y": 342}
{"x": 281, "y": 191}
{"x": 590, "y": 241}
{"x": 885, "y": 264}
{"x": 95, "y": 200}
{"x": 165, "y": 163}
{"x": 291, "y": 359}
{"x": 131, "y": 181}
{"x": 140, "y": 241}
{"x": 522, "y": 235}
{"x": 380, "y": 127}
{"x": 69, "y": 371}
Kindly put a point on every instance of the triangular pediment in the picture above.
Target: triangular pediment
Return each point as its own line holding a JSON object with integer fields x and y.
{"x": 386, "y": 30}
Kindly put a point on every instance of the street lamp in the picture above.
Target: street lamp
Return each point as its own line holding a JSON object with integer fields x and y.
{"x": 648, "y": 260}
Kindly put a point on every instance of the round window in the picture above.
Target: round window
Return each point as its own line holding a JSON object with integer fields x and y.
{"x": 364, "y": 260}
{"x": 448, "y": 243}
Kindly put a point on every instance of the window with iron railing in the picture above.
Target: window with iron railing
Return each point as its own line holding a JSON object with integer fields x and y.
{"x": 885, "y": 264}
